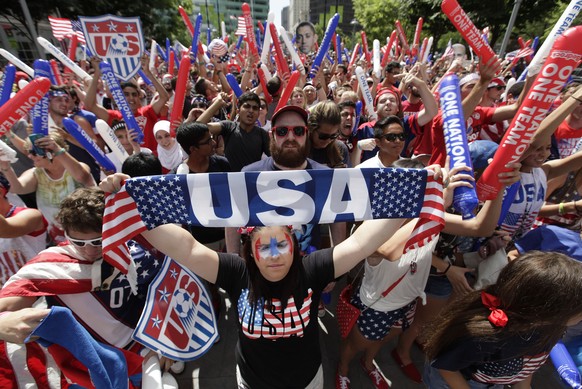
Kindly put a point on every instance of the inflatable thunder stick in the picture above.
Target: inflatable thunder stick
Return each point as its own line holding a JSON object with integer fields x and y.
{"x": 464, "y": 198}
{"x": 365, "y": 46}
{"x": 18, "y": 106}
{"x": 325, "y": 43}
{"x": 7, "y": 83}
{"x": 465, "y": 26}
{"x": 282, "y": 66}
{"x": 387, "y": 55}
{"x": 294, "y": 56}
{"x": 246, "y": 10}
{"x": 565, "y": 365}
{"x": 181, "y": 83}
{"x": 119, "y": 98}
{"x": 354, "y": 56}
{"x": 109, "y": 137}
{"x": 236, "y": 89}
{"x": 286, "y": 95}
{"x": 196, "y": 36}
{"x": 88, "y": 144}
{"x": 366, "y": 93}
{"x": 62, "y": 57}
{"x": 416, "y": 41}
{"x": 563, "y": 59}
{"x": 16, "y": 62}
{"x": 186, "y": 20}
{"x": 40, "y": 113}
{"x": 376, "y": 58}
{"x": 56, "y": 72}
{"x": 402, "y": 36}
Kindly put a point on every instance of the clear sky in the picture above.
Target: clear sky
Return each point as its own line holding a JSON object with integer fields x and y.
{"x": 277, "y": 6}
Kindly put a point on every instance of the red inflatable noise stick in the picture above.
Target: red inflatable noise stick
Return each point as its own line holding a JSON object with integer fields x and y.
{"x": 18, "y": 106}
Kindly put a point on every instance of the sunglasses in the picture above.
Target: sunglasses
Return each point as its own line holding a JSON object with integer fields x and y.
{"x": 327, "y": 136}
{"x": 282, "y": 131}
{"x": 498, "y": 87}
{"x": 83, "y": 242}
{"x": 393, "y": 137}
{"x": 206, "y": 142}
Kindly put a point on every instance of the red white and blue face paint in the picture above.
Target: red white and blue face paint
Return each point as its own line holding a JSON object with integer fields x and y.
{"x": 274, "y": 248}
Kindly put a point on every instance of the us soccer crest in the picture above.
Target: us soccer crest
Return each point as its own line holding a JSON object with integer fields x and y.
{"x": 117, "y": 40}
{"x": 178, "y": 319}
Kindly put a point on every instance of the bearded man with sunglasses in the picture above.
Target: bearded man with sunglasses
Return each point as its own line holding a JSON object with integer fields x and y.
{"x": 290, "y": 145}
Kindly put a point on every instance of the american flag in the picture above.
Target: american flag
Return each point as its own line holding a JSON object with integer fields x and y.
{"x": 449, "y": 50}
{"x": 64, "y": 28}
{"x": 264, "y": 320}
{"x": 210, "y": 200}
{"x": 509, "y": 371}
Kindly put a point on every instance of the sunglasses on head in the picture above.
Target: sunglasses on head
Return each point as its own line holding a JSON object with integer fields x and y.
{"x": 393, "y": 137}
{"x": 83, "y": 242}
{"x": 327, "y": 136}
{"x": 283, "y": 131}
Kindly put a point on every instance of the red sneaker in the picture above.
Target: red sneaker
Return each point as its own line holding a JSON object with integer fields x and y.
{"x": 341, "y": 382}
{"x": 376, "y": 376}
{"x": 409, "y": 370}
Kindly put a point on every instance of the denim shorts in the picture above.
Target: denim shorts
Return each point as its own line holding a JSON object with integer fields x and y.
{"x": 375, "y": 325}
{"x": 438, "y": 286}
{"x": 433, "y": 380}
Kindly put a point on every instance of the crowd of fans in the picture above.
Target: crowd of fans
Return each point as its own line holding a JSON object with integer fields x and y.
{"x": 51, "y": 213}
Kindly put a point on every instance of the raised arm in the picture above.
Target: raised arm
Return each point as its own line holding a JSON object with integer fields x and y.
{"x": 554, "y": 119}
{"x": 181, "y": 246}
{"x": 487, "y": 72}
{"x": 91, "y": 97}
{"x": 163, "y": 95}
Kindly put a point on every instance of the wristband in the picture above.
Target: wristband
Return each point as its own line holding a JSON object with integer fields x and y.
{"x": 57, "y": 153}
{"x": 561, "y": 209}
{"x": 447, "y": 269}
{"x": 577, "y": 99}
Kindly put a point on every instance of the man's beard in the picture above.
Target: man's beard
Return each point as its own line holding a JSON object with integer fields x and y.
{"x": 289, "y": 158}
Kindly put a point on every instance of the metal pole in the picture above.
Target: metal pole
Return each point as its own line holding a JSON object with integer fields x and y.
{"x": 509, "y": 27}
{"x": 30, "y": 25}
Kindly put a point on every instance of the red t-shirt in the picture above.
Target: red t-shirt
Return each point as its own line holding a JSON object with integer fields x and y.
{"x": 146, "y": 118}
{"x": 479, "y": 117}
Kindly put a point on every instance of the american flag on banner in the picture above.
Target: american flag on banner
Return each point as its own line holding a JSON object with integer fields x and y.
{"x": 64, "y": 28}
{"x": 241, "y": 28}
{"x": 253, "y": 199}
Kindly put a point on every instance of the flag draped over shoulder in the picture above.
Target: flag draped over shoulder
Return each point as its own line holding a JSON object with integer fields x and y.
{"x": 271, "y": 198}
{"x": 65, "y": 28}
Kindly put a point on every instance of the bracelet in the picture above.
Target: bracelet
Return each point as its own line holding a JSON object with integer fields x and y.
{"x": 57, "y": 153}
{"x": 577, "y": 99}
{"x": 447, "y": 269}
{"x": 11, "y": 135}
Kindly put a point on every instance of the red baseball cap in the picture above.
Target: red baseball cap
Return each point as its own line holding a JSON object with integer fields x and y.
{"x": 289, "y": 108}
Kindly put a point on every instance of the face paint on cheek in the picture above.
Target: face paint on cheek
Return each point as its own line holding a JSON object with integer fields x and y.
{"x": 257, "y": 251}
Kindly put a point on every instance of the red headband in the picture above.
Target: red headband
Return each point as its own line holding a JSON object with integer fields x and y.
{"x": 384, "y": 91}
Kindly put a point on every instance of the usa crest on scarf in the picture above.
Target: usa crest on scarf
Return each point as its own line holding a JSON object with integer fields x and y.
{"x": 272, "y": 198}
